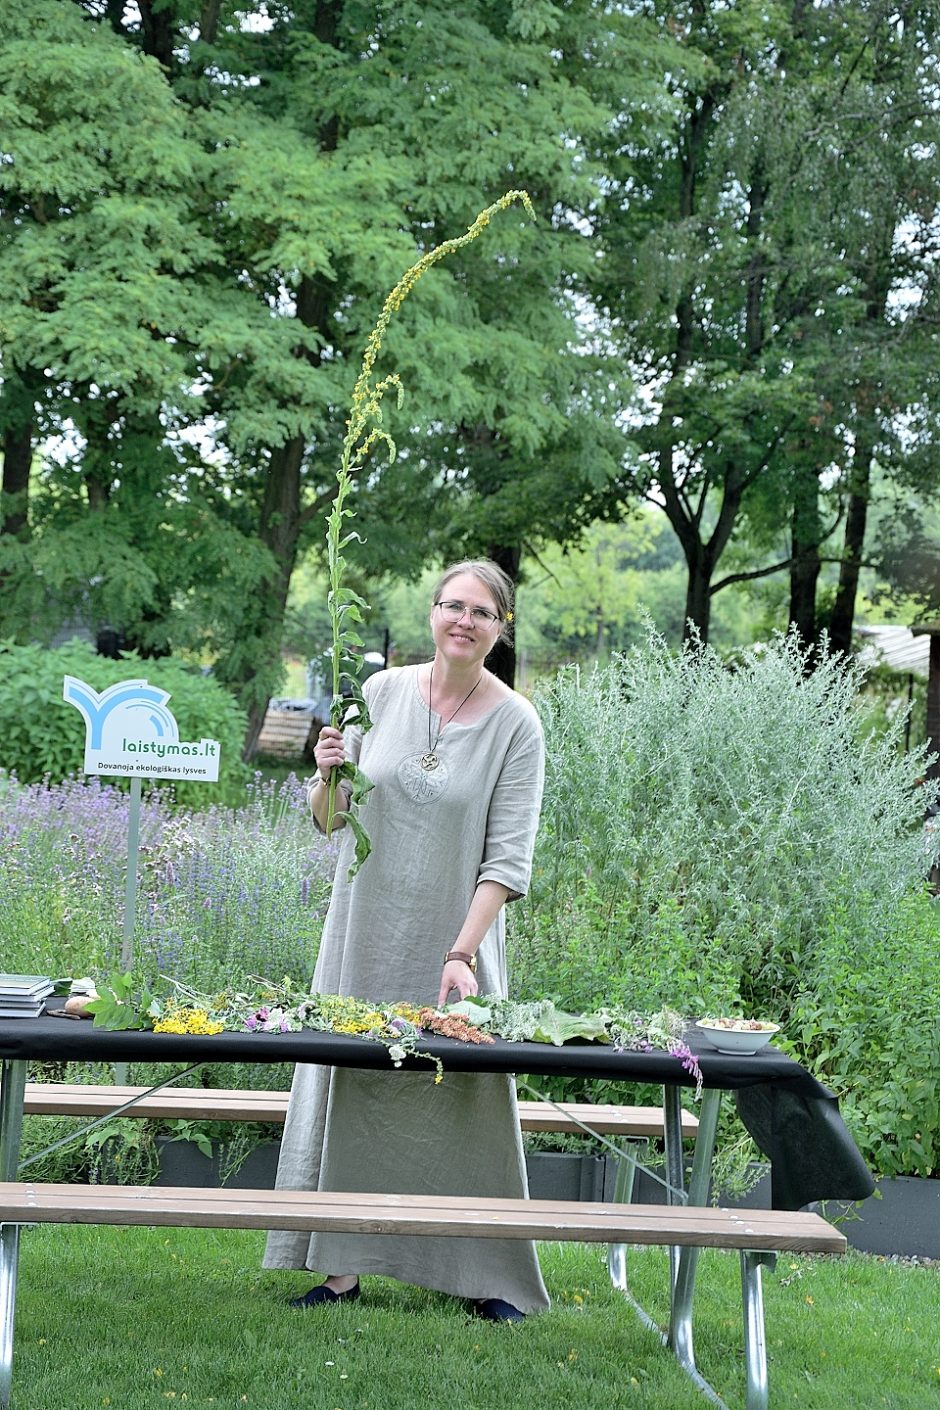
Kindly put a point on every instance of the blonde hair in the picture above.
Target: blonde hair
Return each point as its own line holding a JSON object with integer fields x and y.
{"x": 497, "y": 583}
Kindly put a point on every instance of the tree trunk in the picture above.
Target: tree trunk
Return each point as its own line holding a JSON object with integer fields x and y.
{"x": 805, "y": 564}
{"x": 843, "y": 608}
{"x": 502, "y": 659}
{"x": 698, "y": 598}
{"x": 878, "y": 277}
{"x": 280, "y": 532}
{"x": 933, "y": 706}
{"x": 17, "y": 461}
{"x": 156, "y": 22}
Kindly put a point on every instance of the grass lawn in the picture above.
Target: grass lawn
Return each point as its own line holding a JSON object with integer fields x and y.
{"x": 137, "y": 1319}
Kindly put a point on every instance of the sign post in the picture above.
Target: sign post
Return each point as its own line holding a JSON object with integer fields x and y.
{"x": 130, "y": 733}
{"x": 130, "y": 885}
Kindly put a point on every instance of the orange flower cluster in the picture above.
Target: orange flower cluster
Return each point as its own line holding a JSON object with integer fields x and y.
{"x": 452, "y": 1026}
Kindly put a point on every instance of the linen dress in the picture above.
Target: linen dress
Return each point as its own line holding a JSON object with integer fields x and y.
{"x": 435, "y": 836}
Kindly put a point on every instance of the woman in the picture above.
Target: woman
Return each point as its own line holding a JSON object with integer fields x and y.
{"x": 456, "y": 759}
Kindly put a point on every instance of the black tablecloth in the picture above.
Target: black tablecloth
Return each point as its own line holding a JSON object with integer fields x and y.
{"x": 793, "y": 1118}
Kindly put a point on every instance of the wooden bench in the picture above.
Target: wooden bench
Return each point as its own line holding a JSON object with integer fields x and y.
{"x": 757, "y": 1234}
{"x": 215, "y": 1104}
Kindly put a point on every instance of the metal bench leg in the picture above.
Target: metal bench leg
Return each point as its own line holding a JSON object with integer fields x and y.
{"x": 12, "y": 1092}
{"x": 755, "y": 1340}
{"x": 617, "y": 1253}
{"x": 683, "y": 1293}
{"x": 675, "y": 1164}
{"x": 9, "y": 1255}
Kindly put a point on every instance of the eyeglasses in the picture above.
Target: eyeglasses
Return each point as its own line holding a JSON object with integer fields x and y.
{"x": 454, "y": 611}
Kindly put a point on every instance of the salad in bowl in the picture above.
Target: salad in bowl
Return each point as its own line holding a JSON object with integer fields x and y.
{"x": 737, "y": 1035}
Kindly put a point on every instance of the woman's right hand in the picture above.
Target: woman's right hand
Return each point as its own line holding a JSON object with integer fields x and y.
{"x": 329, "y": 751}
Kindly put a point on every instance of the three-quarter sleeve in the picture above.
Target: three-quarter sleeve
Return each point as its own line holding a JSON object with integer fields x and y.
{"x": 513, "y": 816}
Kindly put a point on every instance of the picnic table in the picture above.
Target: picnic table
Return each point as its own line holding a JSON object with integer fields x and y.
{"x": 793, "y": 1118}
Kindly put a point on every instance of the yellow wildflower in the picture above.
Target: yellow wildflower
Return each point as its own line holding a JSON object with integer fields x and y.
{"x": 181, "y": 1019}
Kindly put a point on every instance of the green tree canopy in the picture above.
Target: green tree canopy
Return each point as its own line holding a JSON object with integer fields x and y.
{"x": 756, "y": 256}
{"x": 203, "y": 208}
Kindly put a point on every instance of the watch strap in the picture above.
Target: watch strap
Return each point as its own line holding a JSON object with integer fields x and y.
{"x": 465, "y": 958}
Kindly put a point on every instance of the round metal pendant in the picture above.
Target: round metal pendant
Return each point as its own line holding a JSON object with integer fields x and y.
{"x": 429, "y": 761}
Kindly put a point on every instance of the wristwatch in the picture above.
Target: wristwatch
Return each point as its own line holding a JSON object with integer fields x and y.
{"x": 464, "y": 957}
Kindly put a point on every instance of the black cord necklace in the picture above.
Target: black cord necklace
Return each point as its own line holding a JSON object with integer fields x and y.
{"x": 430, "y": 760}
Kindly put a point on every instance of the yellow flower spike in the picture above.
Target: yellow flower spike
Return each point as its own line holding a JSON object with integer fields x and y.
{"x": 365, "y": 407}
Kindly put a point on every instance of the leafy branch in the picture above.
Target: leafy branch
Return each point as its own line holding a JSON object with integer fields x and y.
{"x": 122, "y": 1003}
{"x": 364, "y": 430}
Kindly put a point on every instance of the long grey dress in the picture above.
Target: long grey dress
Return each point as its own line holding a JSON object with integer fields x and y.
{"x": 435, "y": 836}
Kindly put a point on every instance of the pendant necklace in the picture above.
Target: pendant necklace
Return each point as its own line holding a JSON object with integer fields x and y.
{"x": 430, "y": 760}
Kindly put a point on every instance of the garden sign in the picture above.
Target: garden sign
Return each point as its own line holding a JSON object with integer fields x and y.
{"x": 130, "y": 733}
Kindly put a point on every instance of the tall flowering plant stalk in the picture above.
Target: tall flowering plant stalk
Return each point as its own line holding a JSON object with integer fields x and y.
{"x": 364, "y": 431}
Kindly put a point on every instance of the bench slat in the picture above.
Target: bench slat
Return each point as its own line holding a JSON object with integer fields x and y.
{"x": 74, "y": 1099}
{"x": 764, "y": 1230}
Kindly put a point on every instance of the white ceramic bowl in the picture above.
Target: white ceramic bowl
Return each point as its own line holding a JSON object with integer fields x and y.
{"x": 736, "y": 1039}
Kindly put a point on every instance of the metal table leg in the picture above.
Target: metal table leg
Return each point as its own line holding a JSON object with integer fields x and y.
{"x": 617, "y": 1253}
{"x": 12, "y": 1092}
{"x": 680, "y": 1326}
{"x": 755, "y": 1341}
{"x": 675, "y": 1164}
{"x": 675, "y": 1194}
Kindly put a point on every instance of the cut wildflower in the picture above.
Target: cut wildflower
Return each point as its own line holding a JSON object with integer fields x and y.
{"x": 268, "y": 1007}
{"x": 179, "y": 1019}
{"x": 637, "y": 1032}
{"x": 364, "y": 431}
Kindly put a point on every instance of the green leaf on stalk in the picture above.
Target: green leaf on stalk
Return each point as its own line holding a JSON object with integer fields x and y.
{"x": 361, "y": 785}
{"x": 363, "y": 844}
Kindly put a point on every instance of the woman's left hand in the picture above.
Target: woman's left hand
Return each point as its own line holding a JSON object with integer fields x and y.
{"x": 459, "y": 976}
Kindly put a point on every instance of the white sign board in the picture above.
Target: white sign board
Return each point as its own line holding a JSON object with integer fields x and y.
{"x": 130, "y": 733}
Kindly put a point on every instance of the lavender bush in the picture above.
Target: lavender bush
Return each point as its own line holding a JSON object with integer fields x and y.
{"x": 222, "y": 893}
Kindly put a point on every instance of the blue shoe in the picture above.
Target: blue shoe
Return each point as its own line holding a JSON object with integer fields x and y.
{"x": 321, "y": 1294}
{"x": 493, "y": 1309}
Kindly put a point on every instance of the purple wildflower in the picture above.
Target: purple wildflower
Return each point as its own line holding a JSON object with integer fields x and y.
{"x": 689, "y": 1062}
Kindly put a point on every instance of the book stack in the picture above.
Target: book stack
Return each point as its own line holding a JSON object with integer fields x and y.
{"x": 23, "y": 995}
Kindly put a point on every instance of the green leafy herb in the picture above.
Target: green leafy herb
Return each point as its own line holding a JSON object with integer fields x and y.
{"x": 120, "y": 1005}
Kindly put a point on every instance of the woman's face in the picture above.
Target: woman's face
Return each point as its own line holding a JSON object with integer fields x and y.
{"x": 469, "y": 640}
